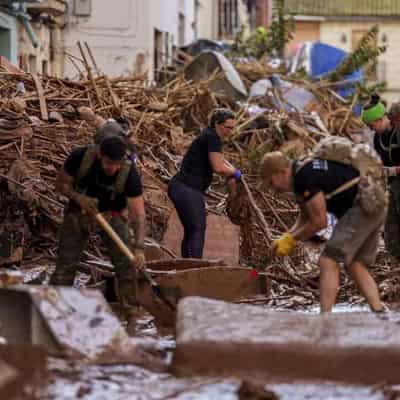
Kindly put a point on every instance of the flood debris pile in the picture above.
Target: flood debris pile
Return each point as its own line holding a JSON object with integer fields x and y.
{"x": 40, "y": 124}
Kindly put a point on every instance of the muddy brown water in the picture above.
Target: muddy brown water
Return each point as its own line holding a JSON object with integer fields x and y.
{"x": 77, "y": 380}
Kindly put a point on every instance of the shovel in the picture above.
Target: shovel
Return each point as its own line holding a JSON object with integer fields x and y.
{"x": 125, "y": 250}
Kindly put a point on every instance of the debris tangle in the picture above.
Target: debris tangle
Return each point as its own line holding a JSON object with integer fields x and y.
{"x": 39, "y": 128}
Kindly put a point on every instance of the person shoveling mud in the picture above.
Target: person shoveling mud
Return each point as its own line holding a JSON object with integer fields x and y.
{"x": 324, "y": 183}
{"x": 100, "y": 179}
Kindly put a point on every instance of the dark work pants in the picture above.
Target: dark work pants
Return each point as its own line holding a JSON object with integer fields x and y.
{"x": 73, "y": 237}
{"x": 191, "y": 209}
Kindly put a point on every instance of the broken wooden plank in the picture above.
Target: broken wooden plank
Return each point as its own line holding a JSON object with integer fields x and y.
{"x": 42, "y": 100}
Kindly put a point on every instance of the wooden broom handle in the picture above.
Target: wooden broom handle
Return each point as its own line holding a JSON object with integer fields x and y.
{"x": 116, "y": 239}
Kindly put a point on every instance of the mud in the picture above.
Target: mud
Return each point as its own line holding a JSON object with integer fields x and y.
{"x": 222, "y": 238}
{"x": 72, "y": 380}
{"x": 229, "y": 339}
{"x": 23, "y": 371}
{"x": 75, "y": 379}
{"x": 224, "y": 283}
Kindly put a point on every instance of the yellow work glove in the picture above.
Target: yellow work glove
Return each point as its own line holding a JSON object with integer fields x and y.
{"x": 140, "y": 258}
{"x": 284, "y": 245}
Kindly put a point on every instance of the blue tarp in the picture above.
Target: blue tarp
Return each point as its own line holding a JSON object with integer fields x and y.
{"x": 324, "y": 58}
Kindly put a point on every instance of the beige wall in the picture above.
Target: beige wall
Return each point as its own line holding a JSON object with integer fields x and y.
{"x": 305, "y": 31}
{"x": 340, "y": 34}
{"x": 47, "y": 58}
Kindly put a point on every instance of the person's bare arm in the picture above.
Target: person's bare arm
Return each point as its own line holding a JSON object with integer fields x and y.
{"x": 300, "y": 221}
{"x": 219, "y": 165}
{"x": 138, "y": 218}
{"x": 315, "y": 218}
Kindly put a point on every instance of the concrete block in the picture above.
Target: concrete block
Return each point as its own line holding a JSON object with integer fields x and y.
{"x": 22, "y": 371}
{"x": 77, "y": 323}
{"x": 8, "y": 377}
{"x": 214, "y": 337}
{"x": 222, "y": 238}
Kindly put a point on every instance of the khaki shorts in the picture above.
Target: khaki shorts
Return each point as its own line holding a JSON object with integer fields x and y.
{"x": 356, "y": 237}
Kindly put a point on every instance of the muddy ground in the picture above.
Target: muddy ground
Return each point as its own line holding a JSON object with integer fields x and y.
{"x": 75, "y": 380}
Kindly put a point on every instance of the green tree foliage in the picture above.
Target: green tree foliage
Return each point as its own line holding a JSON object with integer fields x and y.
{"x": 255, "y": 45}
{"x": 263, "y": 41}
{"x": 281, "y": 30}
{"x": 364, "y": 56}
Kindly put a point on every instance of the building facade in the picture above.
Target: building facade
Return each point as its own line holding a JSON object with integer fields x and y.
{"x": 129, "y": 36}
{"x": 222, "y": 19}
{"x": 342, "y": 23}
{"x": 31, "y": 35}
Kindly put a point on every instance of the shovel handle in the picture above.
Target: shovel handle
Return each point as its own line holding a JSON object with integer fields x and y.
{"x": 124, "y": 248}
{"x": 116, "y": 239}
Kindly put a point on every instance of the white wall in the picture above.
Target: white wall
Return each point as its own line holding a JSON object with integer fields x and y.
{"x": 207, "y": 26}
{"x": 389, "y": 67}
{"x": 122, "y": 38}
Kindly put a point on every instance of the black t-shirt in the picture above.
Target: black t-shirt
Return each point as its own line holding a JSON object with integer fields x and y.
{"x": 326, "y": 176}
{"x": 98, "y": 185}
{"x": 196, "y": 170}
{"x": 388, "y": 147}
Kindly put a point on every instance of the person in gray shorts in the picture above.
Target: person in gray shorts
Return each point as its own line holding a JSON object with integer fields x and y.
{"x": 355, "y": 238}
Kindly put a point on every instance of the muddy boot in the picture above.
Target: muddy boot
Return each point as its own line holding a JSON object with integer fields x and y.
{"x": 63, "y": 276}
{"x": 131, "y": 316}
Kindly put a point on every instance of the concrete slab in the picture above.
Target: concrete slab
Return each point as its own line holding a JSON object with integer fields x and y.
{"x": 22, "y": 371}
{"x": 77, "y": 323}
{"x": 214, "y": 337}
{"x": 8, "y": 376}
{"x": 222, "y": 238}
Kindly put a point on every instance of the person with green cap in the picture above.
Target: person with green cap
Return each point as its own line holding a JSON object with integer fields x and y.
{"x": 387, "y": 144}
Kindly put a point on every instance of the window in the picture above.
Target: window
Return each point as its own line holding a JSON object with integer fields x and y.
{"x": 45, "y": 67}
{"x": 32, "y": 64}
{"x": 181, "y": 30}
{"x": 83, "y": 8}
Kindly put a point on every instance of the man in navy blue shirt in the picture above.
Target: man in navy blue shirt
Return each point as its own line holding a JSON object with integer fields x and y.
{"x": 323, "y": 186}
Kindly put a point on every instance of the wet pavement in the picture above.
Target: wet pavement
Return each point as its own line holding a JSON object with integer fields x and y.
{"x": 78, "y": 380}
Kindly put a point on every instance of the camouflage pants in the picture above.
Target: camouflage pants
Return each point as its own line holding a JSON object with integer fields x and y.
{"x": 73, "y": 238}
{"x": 392, "y": 226}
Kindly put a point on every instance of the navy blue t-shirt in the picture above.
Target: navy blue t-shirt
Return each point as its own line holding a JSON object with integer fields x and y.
{"x": 326, "y": 176}
{"x": 196, "y": 170}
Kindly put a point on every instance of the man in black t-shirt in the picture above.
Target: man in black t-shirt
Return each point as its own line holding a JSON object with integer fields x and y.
{"x": 323, "y": 186}
{"x": 101, "y": 180}
{"x": 387, "y": 145}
